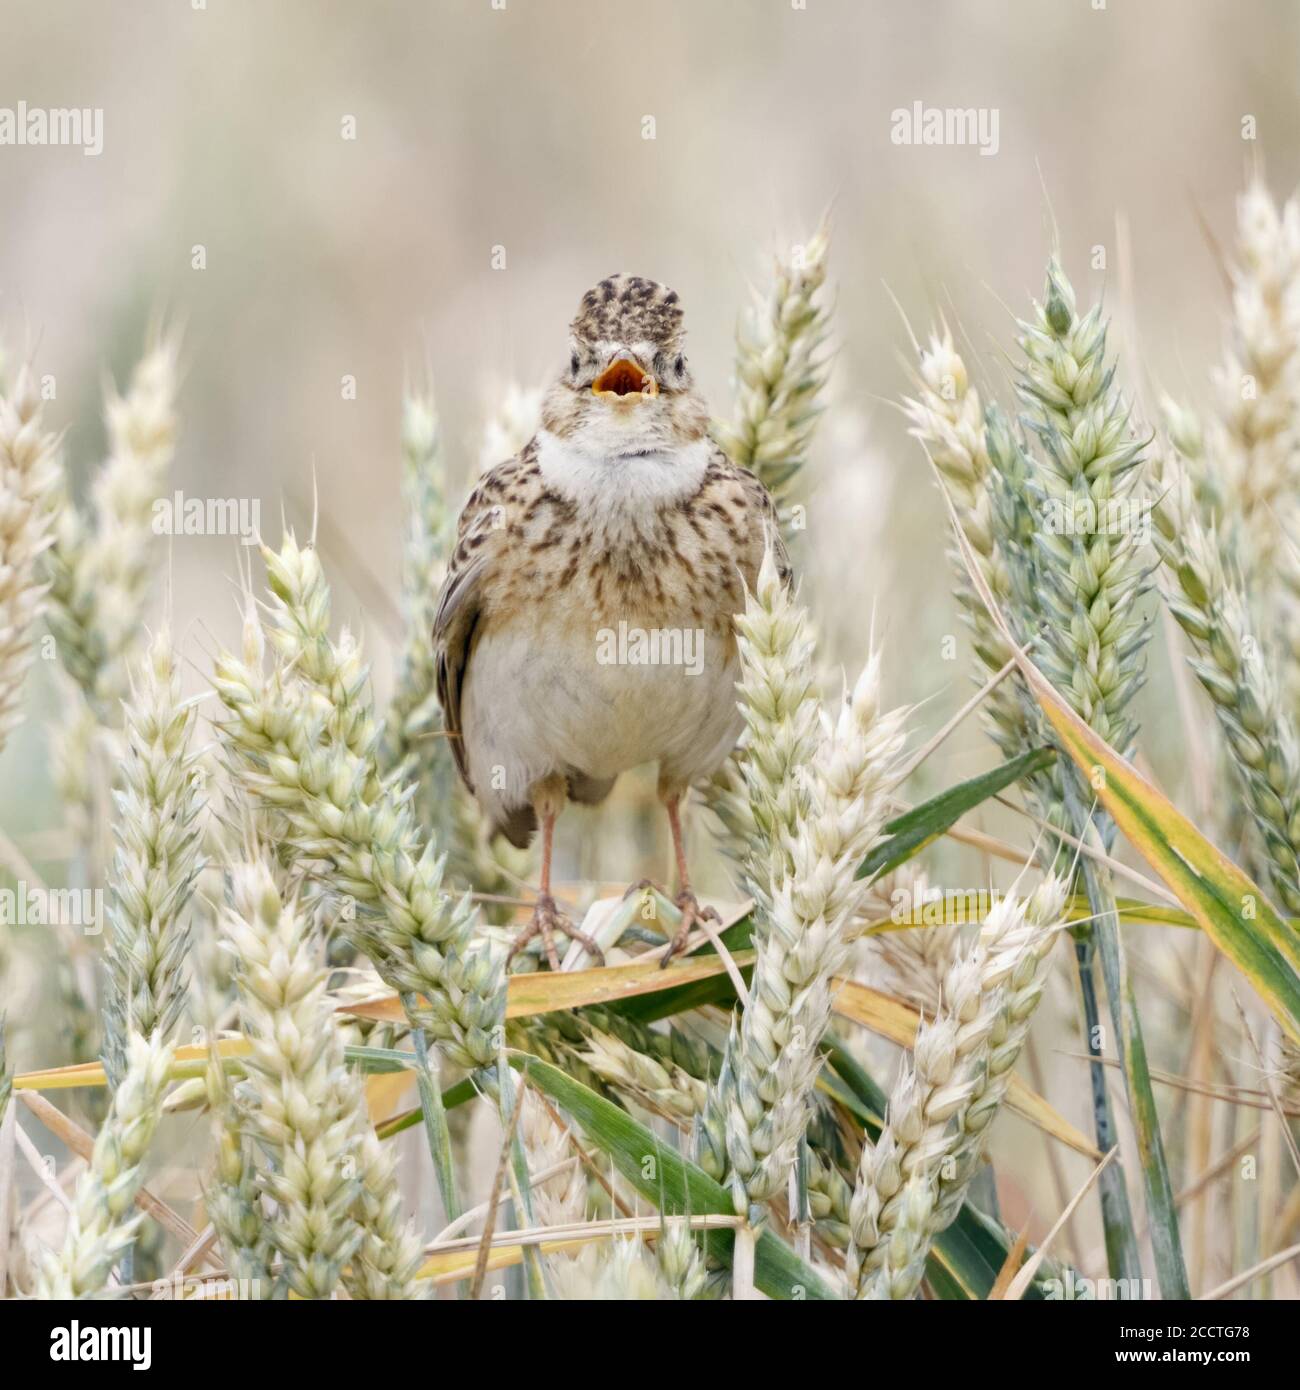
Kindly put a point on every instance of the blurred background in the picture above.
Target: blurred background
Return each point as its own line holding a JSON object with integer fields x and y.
{"x": 386, "y": 187}
{"x": 516, "y": 134}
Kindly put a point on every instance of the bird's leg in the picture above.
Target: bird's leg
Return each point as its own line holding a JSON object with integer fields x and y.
{"x": 547, "y": 919}
{"x": 686, "y": 900}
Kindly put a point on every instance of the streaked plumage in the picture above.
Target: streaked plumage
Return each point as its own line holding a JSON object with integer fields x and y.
{"x": 620, "y": 510}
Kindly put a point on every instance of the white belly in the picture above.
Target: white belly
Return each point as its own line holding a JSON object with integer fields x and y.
{"x": 537, "y": 702}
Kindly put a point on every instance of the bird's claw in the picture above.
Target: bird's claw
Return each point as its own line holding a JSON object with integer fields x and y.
{"x": 689, "y": 906}
{"x": 642, "y": 886}
{"x": 546, "y": 921}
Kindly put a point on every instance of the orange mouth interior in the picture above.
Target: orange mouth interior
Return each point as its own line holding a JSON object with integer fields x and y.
{"x": 624, "y": 378}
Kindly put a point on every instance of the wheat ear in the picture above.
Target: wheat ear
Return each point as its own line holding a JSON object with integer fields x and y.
{"x": 912, "y": 1182}
{"x": 413, "y": 716}
{"x": 334, "y": 1187}
{"x": 309, "y": 759}
{"x": 781, "y": 368}
{"x": 101, "y": 1223}
{"x": 946, "y": 415}
{"x": 758, "y": 1110}
{"x": 159, "y": 832}
{"x": 29, "y": 483}
{"x": 100, "y": 567}
{"x": 761, "y": 794}
{"x": 1253, "y": 437}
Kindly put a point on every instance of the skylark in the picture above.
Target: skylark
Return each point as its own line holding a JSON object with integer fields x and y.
{"x": 585, "y": 623}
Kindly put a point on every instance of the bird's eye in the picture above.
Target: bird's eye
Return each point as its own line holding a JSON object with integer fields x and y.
{"x": 679, "y": 366}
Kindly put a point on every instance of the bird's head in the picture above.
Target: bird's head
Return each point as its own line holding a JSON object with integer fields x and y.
{"x": 627, "y": 385}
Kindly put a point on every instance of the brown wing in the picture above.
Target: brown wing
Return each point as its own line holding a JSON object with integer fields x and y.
{"x": 765, "y": 523}
{"x": 478, "y": 541}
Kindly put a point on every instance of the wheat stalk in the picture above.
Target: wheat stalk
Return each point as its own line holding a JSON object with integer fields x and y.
{"x": 1254, "y": 441}
{"x": 1090, "y": 560}
{"x": 681, "y": 1264}
{"x": 616, "y": 1270}
{"x": 386, "y": 1262}
{"x": 100, "y": 567}
{"x": 101, "y": 1227}
{"x": 781, "y": 368}
{"x": 986, "y": 475}
{"x": 158, "y": 860}
{"x": 413, "y": 716}
{"x": 233, "y": 1201}
{"x": 912, "y": 1182}
{"x": 309, "y": 758}
{"x": 300, "y": 1115}
{"x": 563, "y": 1200}
{"x": 758, "y": 1110}
{"x": 231, "y": 1196}
{"x": 761, "y": 794}
{"x": 1090, "y": 572}
{"x": 6, "y": 1076}
{"x": 1017, "y": 940}
{"x": 333, "y": 1185}
{"x": 29, "y": 480}
{"x": 947, "y": 417}
{"x": 1230, "y": 663}
{"x": 411, "y": 741}
{"x": 657, "y": 1084}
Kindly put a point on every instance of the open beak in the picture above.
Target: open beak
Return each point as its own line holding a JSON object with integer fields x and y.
{"x": 624, "y": 378}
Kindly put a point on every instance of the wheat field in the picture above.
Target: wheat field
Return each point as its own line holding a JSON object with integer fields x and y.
{"x": 1002, "y": 1001}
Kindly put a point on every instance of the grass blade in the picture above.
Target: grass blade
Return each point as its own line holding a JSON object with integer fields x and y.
{"x": 1230, "y": 907}
{"x": 672, "y": 1183}
{"x": 1162, "y": 1215}
{"x": 911, "y": 832}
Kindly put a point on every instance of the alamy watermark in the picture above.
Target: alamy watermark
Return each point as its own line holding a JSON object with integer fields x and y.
{"x": 25, "y": 906}
{"x": 656, "y": 646}
{"x": 1082, "y": 516}
{"x": 40, "y": 125}
{"x": 72, "y": 1342}
{"x": 179, "y": 515}
{"x": 1074, "y": 1288}
{"x": 932, "y": 907}
{"x": 920, "y": 124}
{"x": 181, "y": 1288}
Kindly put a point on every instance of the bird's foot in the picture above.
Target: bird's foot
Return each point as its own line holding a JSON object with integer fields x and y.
{"x": 644, "y": 886}
{"x": 546, "y": 921}
{"x": 692, "y": 915}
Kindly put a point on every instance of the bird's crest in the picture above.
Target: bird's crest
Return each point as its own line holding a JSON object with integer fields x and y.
{"x": 628, "y": 309}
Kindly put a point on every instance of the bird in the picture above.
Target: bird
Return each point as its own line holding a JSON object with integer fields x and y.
{"x": 585, "y": 622}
